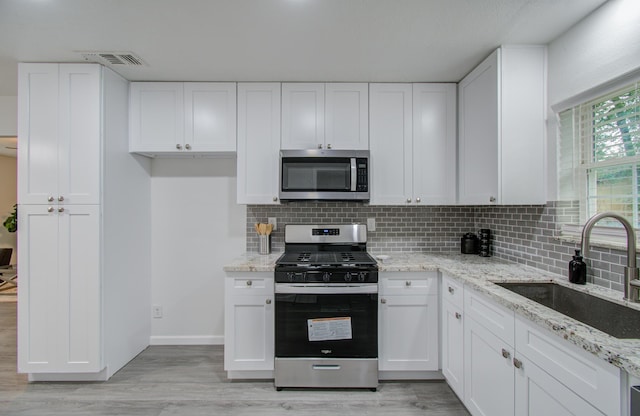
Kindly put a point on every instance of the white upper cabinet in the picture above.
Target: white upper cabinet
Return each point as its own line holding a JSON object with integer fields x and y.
{"x": 325, "y": 116}
{"x": 175, "y": 118}
{"x": 502, "y": 129}
{"x": 347, "y": 116}
{"x": 412, "y": 142}
{"x": 58, "y": 157}
{"x": 258, "y": 142}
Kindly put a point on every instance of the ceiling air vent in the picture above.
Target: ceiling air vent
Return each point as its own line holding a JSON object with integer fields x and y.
{"x": 114, "y": 58}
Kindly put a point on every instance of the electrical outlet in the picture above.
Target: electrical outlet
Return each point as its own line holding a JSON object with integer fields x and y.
{"x": 371, "y": 224}
{"x": 274, "y": 222}
{"x": 156, "y": 311}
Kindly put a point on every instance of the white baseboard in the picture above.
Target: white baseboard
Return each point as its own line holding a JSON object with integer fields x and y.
{"x": 187, "y": 340}
{"x": 101, "y": 376}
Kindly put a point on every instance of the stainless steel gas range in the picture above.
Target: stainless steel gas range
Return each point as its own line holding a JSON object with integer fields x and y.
{"x": 326, "y": 309}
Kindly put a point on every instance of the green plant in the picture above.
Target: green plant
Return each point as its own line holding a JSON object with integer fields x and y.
{"x": 11, "y": 223}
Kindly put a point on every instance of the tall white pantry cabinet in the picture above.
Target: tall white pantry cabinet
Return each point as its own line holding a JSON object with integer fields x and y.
{"x": 83, "y": 232}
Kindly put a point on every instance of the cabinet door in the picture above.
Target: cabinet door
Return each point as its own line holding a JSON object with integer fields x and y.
{"x": 408, "y": 333}
{"x": 390, "y": 143}
{"x": 38, "y": 131}
{"x": 59, "y": 325}
{"x": 488, "y": 372}
{"x": 210, "y": 116}
{"x": 434, "y": 144}
{"x": 157, "y": 117}
{"x": 302, "y": 116}
{"x": 347, "y": 116}
{"x": 478, "y": 134}
{"x": 539, "y": 394}
{"x": 453, "y": 347}
{"x": 80, "y": 146}
{"x": 249, "y": 333}
{"x": 258, "y": 142}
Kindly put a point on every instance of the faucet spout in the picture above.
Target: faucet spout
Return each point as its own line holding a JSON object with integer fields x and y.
{"x": 631, "y": 283}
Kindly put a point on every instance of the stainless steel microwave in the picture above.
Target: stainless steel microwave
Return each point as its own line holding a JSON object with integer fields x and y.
{"x": 321, "y": 175}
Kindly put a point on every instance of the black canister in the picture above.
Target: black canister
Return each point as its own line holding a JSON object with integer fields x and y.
{"x": 469, "y": 244}
{"x": 578, "y": 270}
{"x": 485, "y": 242}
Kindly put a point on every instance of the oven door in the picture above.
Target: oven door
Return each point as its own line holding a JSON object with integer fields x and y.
{"x": 326, "y": 321}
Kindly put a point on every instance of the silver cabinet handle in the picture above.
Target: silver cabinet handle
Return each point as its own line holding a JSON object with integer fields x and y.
{"x": 492, "y": 199}
{"x": 505, "y": 353}
{"x": 329, "y": 146}
{"x": 417, "y": 199}
{"x": 451, "y": 290}
{"x": 275, "y": 198}
{"x": 458, "y": 315}
{"x": 407, "y": 283}
{"x": 517, "y": 363}
{"x": 187, "y": 146}
{"x": 49, "y": 209}
{"x": 60, "y": 198}
{"x": 249, "y": 282}
{"x": 268, "y": 301}
{"x": 179, "y": 146}
{"x": 50, "y": 199}
{"x": 319, "y": 146}
{"x": 408, "y": 199}
{"x": 61, "y": 209}
{"x": 383, "y": 301}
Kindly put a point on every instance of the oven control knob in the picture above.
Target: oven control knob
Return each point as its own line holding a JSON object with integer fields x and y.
{"x": 290, "y": 276}
{"x": 326, "y": 277}
{"x": 362, "y": 276}
{"x": 347, "y": 277}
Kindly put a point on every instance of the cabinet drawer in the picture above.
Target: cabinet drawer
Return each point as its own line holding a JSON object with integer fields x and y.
{"x": 249, "y": 285}
{"x": 409, "y": 283}
{"x": 590, "y": 377}
{"x": 452, "y": 291}
{"x": 496, "y": 318}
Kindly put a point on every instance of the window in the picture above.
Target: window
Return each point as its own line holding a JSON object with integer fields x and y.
{"x": 599, "y": 155}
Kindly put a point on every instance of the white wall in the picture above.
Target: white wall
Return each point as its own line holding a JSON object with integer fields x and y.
{"x": 197, "y": 227}
{"x": 8, "y": 197}
{"x": 602, "y": 47}
{"x": 8, "y": 115}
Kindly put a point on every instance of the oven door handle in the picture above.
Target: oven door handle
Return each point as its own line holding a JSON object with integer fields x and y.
{"x": 328, "y": 289}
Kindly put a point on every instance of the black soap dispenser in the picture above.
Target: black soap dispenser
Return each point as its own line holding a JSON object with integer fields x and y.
{"x": 577, "y": 270}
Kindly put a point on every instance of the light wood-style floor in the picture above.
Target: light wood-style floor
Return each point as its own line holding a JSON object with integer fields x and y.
{"x": 189, "y": 380}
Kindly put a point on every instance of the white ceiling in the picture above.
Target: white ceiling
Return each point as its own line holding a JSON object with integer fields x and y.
{"x": 279, "y": 40}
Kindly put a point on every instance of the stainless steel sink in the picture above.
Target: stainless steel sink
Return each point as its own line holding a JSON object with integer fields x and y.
{"x": 614, "y": 319}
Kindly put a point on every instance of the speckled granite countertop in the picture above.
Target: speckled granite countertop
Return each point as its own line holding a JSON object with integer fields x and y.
{"x": 480, "y": 273}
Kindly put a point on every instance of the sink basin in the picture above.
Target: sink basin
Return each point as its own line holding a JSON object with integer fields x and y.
{"x": 614, "y": 319}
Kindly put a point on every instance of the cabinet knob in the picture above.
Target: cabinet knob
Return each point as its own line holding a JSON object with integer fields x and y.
{"x": 187, "y": 146}
{"x": 249, "y": 282}
{"x": 418, "y": 200}
{"x": 451, "y": 290}
{"x": 268, "y": 302}
{"x": 275, "y": 199}
{"x": 61, "y": 209}
{"x": 319, "y": 146}
{"x": 60, "y": 198}
{"x": 408, "y": 199}
{"x": 505, "y": 353}
{"x": 458, "y": 315}
{"x": 492, "y": 199}
{"x": 517, "y": 363}
{"x": 179, "y": 146}
{"x": 407, "y": 283}
{"x": 49, "y": 209}
{"x": 383, "y": 301}
{"x": 50, "y": 199}
{"x": 329, "y": 146}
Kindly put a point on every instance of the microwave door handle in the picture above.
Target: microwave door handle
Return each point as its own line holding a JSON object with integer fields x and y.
{"x": 354, "y": 174}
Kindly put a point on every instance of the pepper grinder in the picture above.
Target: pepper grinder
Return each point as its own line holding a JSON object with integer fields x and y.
{"x": 485, "y": 242}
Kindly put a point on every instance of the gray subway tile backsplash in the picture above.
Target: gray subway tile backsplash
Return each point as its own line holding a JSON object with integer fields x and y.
{"x": 524, "y": 234}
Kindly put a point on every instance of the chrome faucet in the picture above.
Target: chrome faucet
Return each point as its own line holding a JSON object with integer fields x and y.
{"x": 631, "y": 282}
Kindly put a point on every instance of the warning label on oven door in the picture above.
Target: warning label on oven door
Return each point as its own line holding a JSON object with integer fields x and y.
{"x": 325, "y": 329}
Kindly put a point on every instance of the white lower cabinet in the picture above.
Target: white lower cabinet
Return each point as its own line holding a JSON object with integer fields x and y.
{"x": 249, "y": 325}
{"x": 408, "y": 324}
{"x": 452, "y": 335}
{"x": 514, "y": 367}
